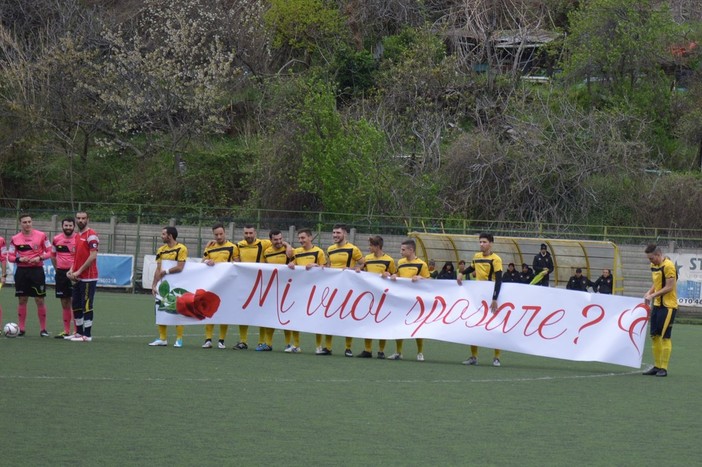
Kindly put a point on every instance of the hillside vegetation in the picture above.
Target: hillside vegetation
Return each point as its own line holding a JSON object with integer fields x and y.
{"x": 541, "y": 111}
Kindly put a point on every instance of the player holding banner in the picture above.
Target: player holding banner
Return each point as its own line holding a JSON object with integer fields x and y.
{"x": 487, "y": 267}
{"x": 377, "y": 262}
{"x": 309, "y": 256}
{"x": 174, "y": 251}
{"x": 411, "y": 267}
{"x": 663, "y": 298}
{"x": 219, "y": 251}
{"x": 84, "y": 275}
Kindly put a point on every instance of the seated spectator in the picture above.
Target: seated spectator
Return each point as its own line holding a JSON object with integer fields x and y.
{"x": 579, "y": 282}
{"x": 433, "y": 273}
{"x": 511, "y": 274}
{"x": 605, "y": 283}
{"x": 447, "y": 272}
{"x": 527, "y": 274}
{"x": 461, "y": 266}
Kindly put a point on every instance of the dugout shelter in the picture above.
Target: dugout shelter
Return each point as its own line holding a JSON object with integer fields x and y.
{"x": 591, "y": 256}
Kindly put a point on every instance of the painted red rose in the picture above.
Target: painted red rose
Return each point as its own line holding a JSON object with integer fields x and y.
{"x": 206, "y": 303}
{"x": 185, "y": 305}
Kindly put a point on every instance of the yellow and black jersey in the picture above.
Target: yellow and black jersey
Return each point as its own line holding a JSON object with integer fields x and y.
{"x": 224, "y": 253}
{"x": 343, "y": 256}
{"x": 661, "y": 274}
{"x": 314, "y": 255}
{"x": 177, "y": 252}
{"x": 379, "y": 265}
{"x": 416, "y": 267}
{"x": 253, "y": 252}
{"x": 485, "y": 267}
{"x": 276, "y": 255}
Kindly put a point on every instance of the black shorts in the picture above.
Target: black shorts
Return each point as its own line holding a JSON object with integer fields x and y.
{"x": 659, "y": 316}
{"x": 64, "y": 286}
{"x": 83, "y": 296}
{"x": 30, "y": 282}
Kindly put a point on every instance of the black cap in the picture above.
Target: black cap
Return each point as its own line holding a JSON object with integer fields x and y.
{"x": 578, "y": 270}
{"x": 543, "y": 246}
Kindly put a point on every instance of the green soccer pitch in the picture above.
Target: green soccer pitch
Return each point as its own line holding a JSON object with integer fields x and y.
{"x": 117, "y": 401}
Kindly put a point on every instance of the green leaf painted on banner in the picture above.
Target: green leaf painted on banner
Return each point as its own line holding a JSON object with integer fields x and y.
{"x": 164, "y": 288}
{"x": 170, "y": 298}
{"x": 179, "y": 291}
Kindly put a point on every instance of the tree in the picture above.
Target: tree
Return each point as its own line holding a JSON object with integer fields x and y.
{"x": 617, "y": 48}
{"x": 616, "y": 54}
{"x": 546, "y": 165}
{"x": 319, "y": 158}
{"x": 306, "y": 29}
{"x": 45, "y": 57}
{"x": 168, "y": 78}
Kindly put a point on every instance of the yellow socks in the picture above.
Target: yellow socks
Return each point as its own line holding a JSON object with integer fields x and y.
{"x": 666, "y": 349}
{"x": 243, "y": 333}
{"x": 399, "y": 343}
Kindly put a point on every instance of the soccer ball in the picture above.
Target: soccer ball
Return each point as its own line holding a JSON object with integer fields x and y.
{"x": 11, "y": 330}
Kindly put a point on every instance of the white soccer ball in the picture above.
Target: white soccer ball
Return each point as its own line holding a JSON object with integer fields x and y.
{"x": 11, "y": 330}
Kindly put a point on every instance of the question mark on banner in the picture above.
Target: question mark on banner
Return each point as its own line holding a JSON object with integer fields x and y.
{"x": 585, "y": 313}
{"x": 639, "y": 323}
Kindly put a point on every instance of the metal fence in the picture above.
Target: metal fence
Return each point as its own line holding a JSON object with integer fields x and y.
{"x": 264, "y": 219}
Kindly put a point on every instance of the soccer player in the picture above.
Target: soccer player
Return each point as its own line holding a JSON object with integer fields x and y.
{"x": 251, "y": 251}
{"x": 409, "y": 266}
{"x": 487, "y": 267}
{"x": 28, "y": 249}
{"x": 3, "y": 266}
{"x": 663, "y": 298}
{"x": 220, "y": 250}
{"x": 174, "y": 251}
{"x": 342, "y": 255}
{"x": 279, "y": 252}
{"x": 63, "y": 252}
{"x": 377, "y": 262}
{"x": 84, "y": 275}
{"x": 309, "y": 256}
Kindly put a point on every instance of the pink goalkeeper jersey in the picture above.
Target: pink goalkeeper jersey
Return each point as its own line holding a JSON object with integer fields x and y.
{"x": 33, "y": 245}
{"x": 63, "y": 249}
{"x": 86, "y": 242}
{"x": 3, "y": 250}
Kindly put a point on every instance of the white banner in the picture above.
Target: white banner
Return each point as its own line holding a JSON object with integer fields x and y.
{"x": 531, "y": 319}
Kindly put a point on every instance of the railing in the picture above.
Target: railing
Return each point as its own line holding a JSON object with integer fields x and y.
{"x": 205, "y": 216}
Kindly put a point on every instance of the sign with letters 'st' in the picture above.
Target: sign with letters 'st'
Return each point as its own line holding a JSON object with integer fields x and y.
{"x": 689, "y": 287}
